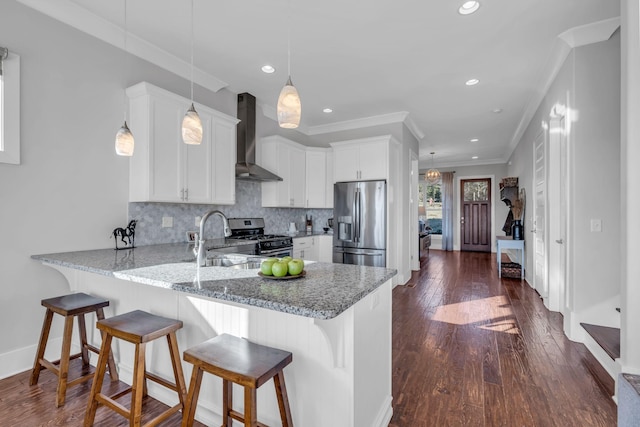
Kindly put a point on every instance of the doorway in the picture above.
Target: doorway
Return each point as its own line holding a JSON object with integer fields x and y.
{"x": 475, "y": 215}
{"x": 540, "y": 231}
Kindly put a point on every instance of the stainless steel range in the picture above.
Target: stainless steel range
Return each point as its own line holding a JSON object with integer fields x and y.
{"x": 272, "y": 245}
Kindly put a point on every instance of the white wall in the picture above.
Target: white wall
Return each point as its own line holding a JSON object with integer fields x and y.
{"x": 70, "y": 191}
{"x": 630, "y": 202}
{"x": 588, "y": 83}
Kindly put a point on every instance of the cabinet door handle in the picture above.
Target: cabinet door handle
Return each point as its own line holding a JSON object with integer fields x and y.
{"x": 559, "y": 241}
{"x": 182, "y": 194}
{"x": 186, "y": 194}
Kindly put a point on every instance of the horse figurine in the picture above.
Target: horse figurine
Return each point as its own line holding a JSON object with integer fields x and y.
{"x": 126, "y": 235}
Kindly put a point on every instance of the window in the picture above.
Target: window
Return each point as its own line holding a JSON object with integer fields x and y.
{"x": 430, "y": 206}
{"x": 10, "y": 109}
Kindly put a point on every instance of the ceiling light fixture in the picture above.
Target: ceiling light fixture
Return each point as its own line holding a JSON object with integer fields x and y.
{"x": 191, "y": 123}
{"x": 497, "y": 110}
{"x": 327, "y": 110}
{"x": 289, "y": 108}
{"x": 469, "y": 7}
{"x": 472, "y": 82}
{"x": 124, "y": 137}
{"x": 432, "y": 176}
{"x": 474, "y": 157}
{"x": 474, "y": 140}
{"x": 269, "y": 69}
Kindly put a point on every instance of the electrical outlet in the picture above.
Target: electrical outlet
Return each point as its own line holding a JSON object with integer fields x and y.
{"x": 197, "y": 221}
{"x": 596, "y": 225}
{"x": 167, "y": 221}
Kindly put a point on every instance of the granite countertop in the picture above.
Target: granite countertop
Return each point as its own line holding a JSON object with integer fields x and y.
{"x": 313, "y": 233}
{"x": 323, "y": 293}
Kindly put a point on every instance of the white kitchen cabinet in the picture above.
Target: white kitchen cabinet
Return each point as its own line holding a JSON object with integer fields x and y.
{"x": 163, "y": 168}
{"x": 319, "y": 177}
{"x": 361, "y": 159}
{"x": 325, "y": 247}
{"x": 306, "y": 248}
{"x": 287, "y": 159}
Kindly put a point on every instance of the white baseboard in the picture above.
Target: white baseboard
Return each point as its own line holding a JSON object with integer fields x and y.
{"x": 384, "y": 414}
{"x": 20, "y": 360}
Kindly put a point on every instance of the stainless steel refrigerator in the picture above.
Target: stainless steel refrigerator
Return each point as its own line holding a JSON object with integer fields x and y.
{"x": 360, "y": 223}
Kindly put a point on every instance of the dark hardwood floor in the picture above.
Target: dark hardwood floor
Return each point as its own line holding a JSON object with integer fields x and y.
{"x": 468, "y": 349}
{"x": 472, "y": 349}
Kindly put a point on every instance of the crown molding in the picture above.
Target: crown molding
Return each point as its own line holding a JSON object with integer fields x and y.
{"x": 575, "y": 37}
{"x": 383, "y": 119}
{"x": 77, "y": 17}
{"x": 590, "y": 33}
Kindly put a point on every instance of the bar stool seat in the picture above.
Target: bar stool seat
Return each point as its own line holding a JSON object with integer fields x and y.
{"x": 237, "y": 360}
{"x": 137, "y": 327}
{"x": 69, "y": 307}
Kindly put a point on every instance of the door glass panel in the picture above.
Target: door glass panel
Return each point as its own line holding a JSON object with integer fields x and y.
{"x": 476, "y": 191}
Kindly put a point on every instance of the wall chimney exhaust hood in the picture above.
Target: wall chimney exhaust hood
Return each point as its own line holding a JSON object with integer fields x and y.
{"x": 246, "y": 167}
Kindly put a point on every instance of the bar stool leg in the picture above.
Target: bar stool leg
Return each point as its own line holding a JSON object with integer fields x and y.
{"x": 42, "y": 346}
{"x": 96, "y": 387}
{"x": 82, "y": 329}
{"x": 64, "y": 361}
{"x": 113, "y": 372}
{"x": 227, "y": 403}
{"x": 189, "y": 411}
{"x": 250, "y": 407}
{"x": 172, "y": 341}
{"x": 138, "y": 386}
{"x": 283, "y": 399}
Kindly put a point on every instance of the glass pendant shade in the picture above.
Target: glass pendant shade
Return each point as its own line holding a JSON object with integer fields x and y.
{"x": 124, "y": 141}
{"x": 432, "y": 176}
{"x": 192, "y": 127}
{"x": 289, "y": 108}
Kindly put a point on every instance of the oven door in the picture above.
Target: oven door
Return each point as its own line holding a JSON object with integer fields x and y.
{"x": 277, "y": 253}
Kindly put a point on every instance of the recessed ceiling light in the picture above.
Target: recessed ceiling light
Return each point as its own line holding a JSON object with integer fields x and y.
{"x": 474, "y": 157}
{"x": 474, "y": 140}
{"x": 327, "y": 110}
{"x": 268, "y": 69}
{"x": 498, "y": 110}
{"x": 468, "y": 7}
{"x": 472, "y": 82}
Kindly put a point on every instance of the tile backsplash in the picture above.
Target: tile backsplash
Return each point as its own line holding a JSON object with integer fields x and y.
{"x": 149, "y": 228}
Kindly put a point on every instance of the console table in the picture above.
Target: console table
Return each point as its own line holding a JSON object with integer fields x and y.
{"x": 506, "y": 242}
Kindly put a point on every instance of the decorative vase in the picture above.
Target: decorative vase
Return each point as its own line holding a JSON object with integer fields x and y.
{"x": 517, "y": 230}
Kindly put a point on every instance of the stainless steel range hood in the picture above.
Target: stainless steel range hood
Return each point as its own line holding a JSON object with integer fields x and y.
{"x": 246, "y": 167}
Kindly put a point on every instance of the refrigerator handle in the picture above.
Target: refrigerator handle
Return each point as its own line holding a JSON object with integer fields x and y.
{"x": 357, "y": 214}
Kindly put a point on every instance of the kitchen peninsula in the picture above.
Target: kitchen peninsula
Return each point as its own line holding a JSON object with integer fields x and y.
{"x": 336, "y": 321}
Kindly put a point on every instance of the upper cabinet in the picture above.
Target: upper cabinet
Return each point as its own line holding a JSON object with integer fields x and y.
{"x": 286, "y": 159}
{"x": 163, "y": 168}
{"x": 361, "y": 159}
{"x": 305, "y": 172}
{"x": 319, "y": 177}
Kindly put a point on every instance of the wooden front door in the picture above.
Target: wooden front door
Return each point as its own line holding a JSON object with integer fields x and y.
{"x": 475, "y": 215}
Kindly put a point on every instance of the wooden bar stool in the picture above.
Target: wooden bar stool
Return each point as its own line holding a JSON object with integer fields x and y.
{"x": 137, "y": 327}
{"x": 239, "y": 361}
{"x": 69, "y": 306}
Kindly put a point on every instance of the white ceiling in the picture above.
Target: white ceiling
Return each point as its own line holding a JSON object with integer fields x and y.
{"x": 370, "y": 61}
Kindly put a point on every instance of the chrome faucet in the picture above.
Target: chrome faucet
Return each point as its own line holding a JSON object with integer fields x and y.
{"x": 198, "y": 249}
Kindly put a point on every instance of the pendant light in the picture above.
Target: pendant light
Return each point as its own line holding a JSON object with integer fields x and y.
{"x": 191, "y": 123}
{"x": 289, "y": 107}
{"x": 433, "y": 175}
{"x": 124, "y": 137}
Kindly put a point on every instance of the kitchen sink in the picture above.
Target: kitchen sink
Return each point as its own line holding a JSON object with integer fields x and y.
{"x": 249, "y": 265}
{"x": 234, "y": 262}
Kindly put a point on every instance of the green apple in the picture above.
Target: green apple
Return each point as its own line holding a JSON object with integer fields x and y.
{"x": 286, "y": 258}
{"x": 296, "y": 266}
{"x": 266, "y": 265}
{"x": 279, "y": 269}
